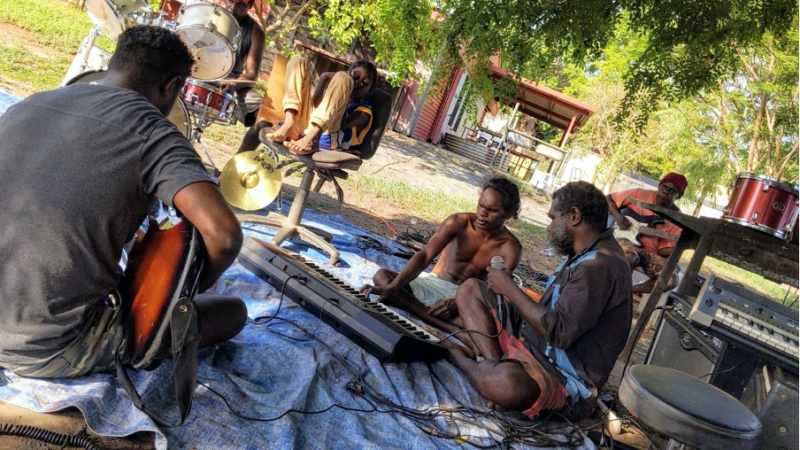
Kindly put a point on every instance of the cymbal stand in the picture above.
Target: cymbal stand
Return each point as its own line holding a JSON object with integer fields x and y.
{"x": 83, "y": 52}
{"x": 274, "y": 155}
{"x": 197, "y": 130}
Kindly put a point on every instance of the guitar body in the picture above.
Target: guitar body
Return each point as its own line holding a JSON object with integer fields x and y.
{"x": 161, "y": 278}
{"x": 632, "y": 234}
{"x": 639, "y": 228}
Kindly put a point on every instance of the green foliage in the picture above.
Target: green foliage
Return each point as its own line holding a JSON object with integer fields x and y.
{"x": 749, "y": 123}
{"x": 689, "y": 45}
{"x": 693, "y": 44}
{"x": 399, "y": 30}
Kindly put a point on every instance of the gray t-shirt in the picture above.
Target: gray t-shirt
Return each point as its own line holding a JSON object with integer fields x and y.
{"x": 79, "y": 167}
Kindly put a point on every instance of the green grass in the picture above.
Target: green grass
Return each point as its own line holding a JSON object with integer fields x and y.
{"x": 228, "y": 135}
{"x": 527, "y": 227}
{"x": 54, "y": 24}
{"x": 33, "y": 72}
{"x": 434, "y": 206}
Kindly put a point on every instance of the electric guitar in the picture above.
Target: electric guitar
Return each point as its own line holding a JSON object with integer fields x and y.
{"x": 160, "y": 281}
{"x": 637, "y": 228}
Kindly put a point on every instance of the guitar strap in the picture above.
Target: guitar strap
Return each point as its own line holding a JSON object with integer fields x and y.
{"x": 185, "y": 335}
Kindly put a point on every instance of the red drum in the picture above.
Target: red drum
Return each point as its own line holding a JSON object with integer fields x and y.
{"x": 763, "y": 203}
{"x": 203, "y": 98}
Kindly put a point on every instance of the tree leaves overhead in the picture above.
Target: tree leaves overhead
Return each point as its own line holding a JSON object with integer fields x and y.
{"x": 690, "y": 43}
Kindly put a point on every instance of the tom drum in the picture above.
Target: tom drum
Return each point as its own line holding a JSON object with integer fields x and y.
{"x": 112, "y": 17}
{"x": 203, "y": 98}
{"x": 763, "y": 203}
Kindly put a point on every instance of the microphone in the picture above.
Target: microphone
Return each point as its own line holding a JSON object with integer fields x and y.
{"x": 498, "y": 262}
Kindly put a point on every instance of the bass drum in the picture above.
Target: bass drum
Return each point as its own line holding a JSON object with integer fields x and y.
{"x": 179, "y": 116}
{"x": 212, "y": 35}
{"x": 112, "y": 17}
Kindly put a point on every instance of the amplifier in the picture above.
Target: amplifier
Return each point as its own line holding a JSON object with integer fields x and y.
{"x": 677, "y": 344}
{"x": 772, "y": 395}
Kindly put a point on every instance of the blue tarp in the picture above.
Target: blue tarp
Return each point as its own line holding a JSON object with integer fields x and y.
{"x": 269, "y": 371}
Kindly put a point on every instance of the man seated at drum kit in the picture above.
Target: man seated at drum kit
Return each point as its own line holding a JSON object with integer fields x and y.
{"x": 110, "y": 153}
{"x": 247, "y": 65}
{"x": 228, "y": 45}
{"x": 658, "y": 245}
{"x": 333, "y": 118}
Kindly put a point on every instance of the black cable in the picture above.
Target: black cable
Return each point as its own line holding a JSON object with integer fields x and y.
{"x": 720, "y": 371}
{"x": 50, "y": 437}
{"x": 288, "y": 411}
{"x": 365, "y": 243}
{"x": 449, "y": 335}
{"x": 261, "y": 319}
{"x": 513, "y": 433}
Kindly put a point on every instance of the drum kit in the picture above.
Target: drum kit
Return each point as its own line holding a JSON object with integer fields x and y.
{"x": 765, "y": 204}
{"x": 210, "y": 32}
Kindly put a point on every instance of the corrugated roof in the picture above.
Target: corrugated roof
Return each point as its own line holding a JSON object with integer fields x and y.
{"x": 547, "y": 105}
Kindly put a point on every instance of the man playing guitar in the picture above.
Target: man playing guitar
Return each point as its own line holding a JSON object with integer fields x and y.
{"x": 80, "y": 167}
{"x": 654, "y": 246}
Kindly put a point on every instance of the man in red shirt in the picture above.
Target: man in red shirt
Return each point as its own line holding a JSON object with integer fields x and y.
{"x": 654, "y": 248}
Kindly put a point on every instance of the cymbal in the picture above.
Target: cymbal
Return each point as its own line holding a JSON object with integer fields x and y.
{"x": 250, "y": 181}
{"x": 234, "y": 81}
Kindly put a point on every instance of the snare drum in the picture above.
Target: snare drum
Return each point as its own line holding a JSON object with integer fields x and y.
{"x": 763, "y": 203}
{"x": 212, "y": 35}
{"x": 202, "y": 98}
{"x": 178, "y": 115}
{"x": 112, "y": 17}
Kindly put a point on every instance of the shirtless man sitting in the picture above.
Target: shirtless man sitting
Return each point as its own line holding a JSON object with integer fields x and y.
{"x": 467, "y": 242}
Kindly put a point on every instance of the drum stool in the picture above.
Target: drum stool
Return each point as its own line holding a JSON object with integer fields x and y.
{"x": 687, "y": 410}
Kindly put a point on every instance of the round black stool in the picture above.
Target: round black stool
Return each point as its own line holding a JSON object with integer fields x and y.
{"x": 687, "y": 410}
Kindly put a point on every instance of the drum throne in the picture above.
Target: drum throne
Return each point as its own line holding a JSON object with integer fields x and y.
{"x": 324, "y": 165}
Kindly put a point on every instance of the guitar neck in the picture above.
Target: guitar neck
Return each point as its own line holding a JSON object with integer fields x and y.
{"x": 659, "y": 234}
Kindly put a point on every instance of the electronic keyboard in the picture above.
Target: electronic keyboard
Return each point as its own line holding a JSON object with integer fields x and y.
{"x": 379, "y": 330}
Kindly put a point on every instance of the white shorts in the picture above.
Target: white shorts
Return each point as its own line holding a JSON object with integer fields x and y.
{"x": 429, "y": 288}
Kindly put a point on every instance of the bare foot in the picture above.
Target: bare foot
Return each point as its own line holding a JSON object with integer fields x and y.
{"x": 303, "y": 146}
{"x": 496, "y": 407}
{"x": 284, "y": 133}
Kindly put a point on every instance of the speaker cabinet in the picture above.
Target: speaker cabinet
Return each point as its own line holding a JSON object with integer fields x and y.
{"x": 678, "y": 345}
{"x": 772, "y": 395}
